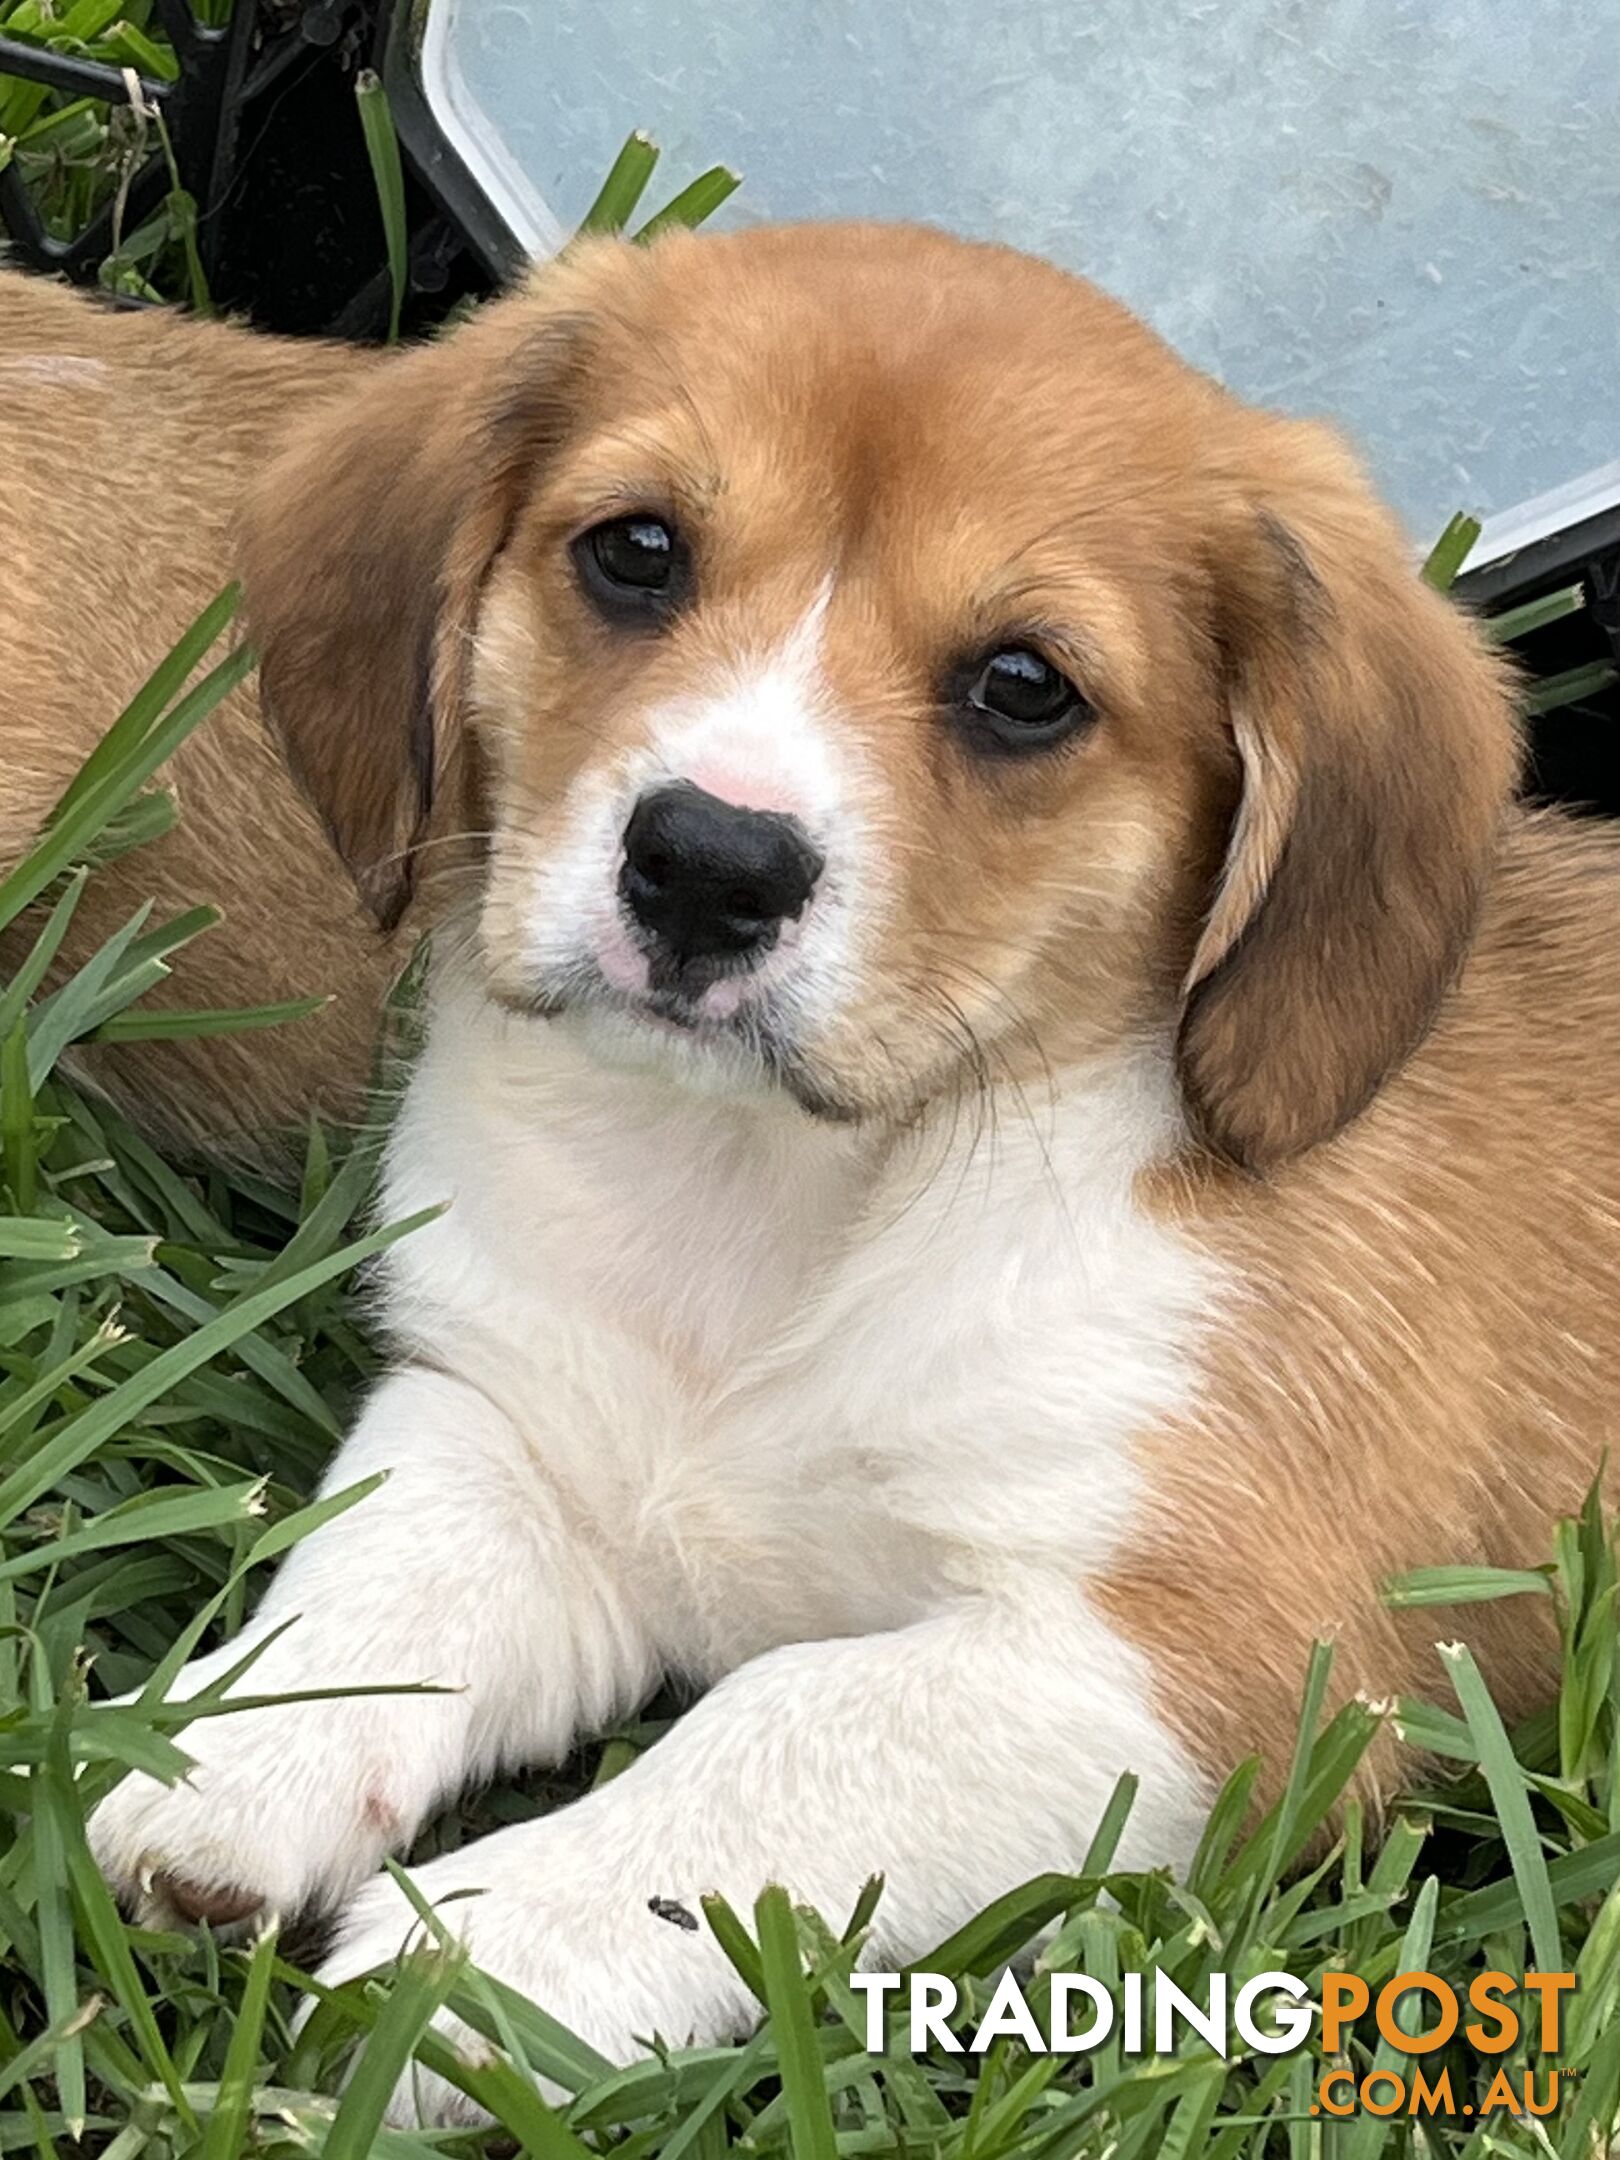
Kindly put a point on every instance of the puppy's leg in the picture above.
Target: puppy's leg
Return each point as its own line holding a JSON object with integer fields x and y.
{"x": 959, "y": 1757}
{"x": 457, "y": 1571}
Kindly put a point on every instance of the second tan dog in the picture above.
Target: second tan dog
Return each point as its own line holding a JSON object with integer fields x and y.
{"x": 127, "y": 443}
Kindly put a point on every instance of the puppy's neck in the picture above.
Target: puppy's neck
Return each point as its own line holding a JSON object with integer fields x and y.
{"x": 710, "y": 1226}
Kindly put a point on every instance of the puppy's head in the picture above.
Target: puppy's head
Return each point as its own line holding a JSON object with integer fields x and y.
{"x": 875, "y": 661}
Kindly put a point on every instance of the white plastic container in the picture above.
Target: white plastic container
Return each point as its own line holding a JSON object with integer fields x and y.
{"x": 1401, "y": 214}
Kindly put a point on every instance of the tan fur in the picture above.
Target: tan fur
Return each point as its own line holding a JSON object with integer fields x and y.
{"x": 1378, "y": 758}
{"x": 365, "y": 547}
{"x": 1286, "y": 844}
{"x": 125, "y": 444}
{"x": 1428, "y": 1368}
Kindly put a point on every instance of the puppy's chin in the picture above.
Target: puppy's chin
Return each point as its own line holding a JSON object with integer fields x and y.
{"x": 759, "y": 1066}
{"x": 751, "y": 1057}
{"x": 744, "y": 1060}
{"x": 706, "y": 1060}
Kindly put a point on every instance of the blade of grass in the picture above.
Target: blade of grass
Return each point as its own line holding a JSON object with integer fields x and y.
{"x": 150, "y": 702}
{"x": 1511, "y": 1799}
{"x": 69, "y": 830}
{"x": 1368, "y": 2132}
{"x": 1450, "y": 552}
{"x": 50, "y": 1814}
{"x": 623, "y": 188}
{"x": 382, "y": 147}
{"x": 46, "y": 946}
{"x": 696, "y": 202}
{"x": 226, "y": 2136}
{"x": 1532, "y": 615}
{"x": 1463, "y": 1586}
{"x": 166, "y": 1026}
{"x": 424, "y": 1979}
{"x": 1568, "y": 688}
{"x": 149, "y": 1515}
{"x": 793, "y": 2026}
{"x": 108, "y": 1942}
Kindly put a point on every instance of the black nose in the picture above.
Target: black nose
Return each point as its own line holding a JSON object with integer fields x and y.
{"x": 707, "y": 880}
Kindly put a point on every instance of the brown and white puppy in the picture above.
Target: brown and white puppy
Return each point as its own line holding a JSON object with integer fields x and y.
{"x": 1024, "y": 1120}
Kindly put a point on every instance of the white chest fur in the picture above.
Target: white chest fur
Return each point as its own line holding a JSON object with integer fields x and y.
{"x": 840, "y": 1422}
{"x": 820, "y": 1381}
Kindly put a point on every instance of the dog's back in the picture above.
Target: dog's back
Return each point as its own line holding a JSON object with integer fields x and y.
{"x": 126, "y": 439}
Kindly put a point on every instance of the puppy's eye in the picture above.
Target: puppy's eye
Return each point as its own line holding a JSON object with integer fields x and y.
{"x": 634, "y": 568}
{"x": 1018, "y": 701}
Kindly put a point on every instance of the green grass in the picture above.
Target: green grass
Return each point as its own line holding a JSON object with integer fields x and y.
{"x": 78, "y": 153}
{"x": 177, "y": 1356}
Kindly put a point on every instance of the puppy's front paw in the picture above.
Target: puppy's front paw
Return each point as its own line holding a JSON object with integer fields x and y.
{"x": 553, "y": 1917}
{"x": 284, "y": 1809}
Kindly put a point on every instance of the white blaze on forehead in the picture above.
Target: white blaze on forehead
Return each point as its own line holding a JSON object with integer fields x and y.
{"x": 762, "y": 732}
{"x": 759, "y": 738}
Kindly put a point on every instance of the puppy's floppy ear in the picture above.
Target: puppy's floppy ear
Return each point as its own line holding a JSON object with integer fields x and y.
{"x": 1378, "y": 750}
{"x": 364, "y": 547}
